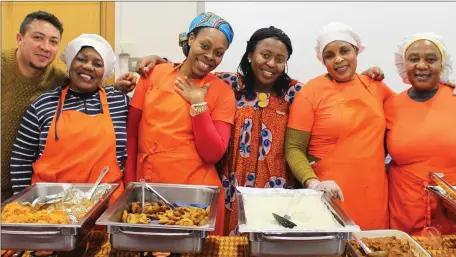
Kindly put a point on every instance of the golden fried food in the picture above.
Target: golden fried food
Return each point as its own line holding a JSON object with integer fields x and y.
{"x": 17, "y": 213}
{"x": 124, "y": 216}
{"x": 181, "y": 216}
{"x": 135, "y": 207}
{"x": 394, "y": 246}
{"x": 137, "y": 218}
{"x": 185, "y": 222}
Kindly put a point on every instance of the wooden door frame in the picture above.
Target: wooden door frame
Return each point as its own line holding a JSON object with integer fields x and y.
{"x": 108, "y": 22}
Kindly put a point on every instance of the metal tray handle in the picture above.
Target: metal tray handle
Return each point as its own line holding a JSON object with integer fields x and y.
{"x": 290, "y": 238}
{"x": 31, "y": 233}
{"x": 187, "y": 234}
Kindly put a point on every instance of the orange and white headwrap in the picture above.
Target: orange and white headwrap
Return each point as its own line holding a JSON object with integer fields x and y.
{"x": 437, "y": 40}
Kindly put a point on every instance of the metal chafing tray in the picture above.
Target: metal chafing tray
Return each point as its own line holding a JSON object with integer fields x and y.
{"x": 417, "y": 249}
{"x": 298, "y": 243}
{"x": 50, "y": 237}
{"x": 156, "y": 237}
{"x": 448, "y": 202}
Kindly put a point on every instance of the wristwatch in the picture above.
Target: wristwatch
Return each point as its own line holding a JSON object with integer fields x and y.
{"x": 196, "y": 109}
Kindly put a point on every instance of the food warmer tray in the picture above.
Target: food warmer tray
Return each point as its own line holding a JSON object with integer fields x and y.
{"x": 295, "y": 243}
{"x": 448, "y": 202}
{"x": 50, "y": 237}
{"x": 416, "y": 248}
{"x": 156, "y": 237}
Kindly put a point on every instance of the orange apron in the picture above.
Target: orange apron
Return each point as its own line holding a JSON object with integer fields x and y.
{"x": 421, "y": 139}
{"x": 357, "y": 163}
{"x": 78, "y": 147}
{"x": 166, "y": 146}
{"x": 411, "y": 206}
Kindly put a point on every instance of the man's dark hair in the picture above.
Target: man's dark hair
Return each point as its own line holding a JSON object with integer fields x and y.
{"x": 40, "y": 15}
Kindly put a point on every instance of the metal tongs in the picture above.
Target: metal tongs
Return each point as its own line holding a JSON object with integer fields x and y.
{"x": 160, "y": 197}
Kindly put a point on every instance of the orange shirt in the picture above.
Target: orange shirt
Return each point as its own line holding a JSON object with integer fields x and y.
{"x": 320, "y": 113}
{"x": 417, "y": 131}
{"x": 219, "y": 96}
{"x": 421, "y": 139}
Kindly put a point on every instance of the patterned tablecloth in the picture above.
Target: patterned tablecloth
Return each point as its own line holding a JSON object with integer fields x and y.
{"x": 98, "y": 245}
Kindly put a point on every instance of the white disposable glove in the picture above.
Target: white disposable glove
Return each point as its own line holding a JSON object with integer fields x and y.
{"x": 328, "y": 186}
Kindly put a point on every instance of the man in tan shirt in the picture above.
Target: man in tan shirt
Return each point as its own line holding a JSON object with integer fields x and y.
{"x": 27, "y": 72}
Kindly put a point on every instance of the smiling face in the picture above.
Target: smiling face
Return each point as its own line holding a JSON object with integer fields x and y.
{"x": 268, "y": 61}
{"x": 340, "y": 59}
{"x": 423, "y": 62}
{"x": 86, "y": 71}
{"x": 206, "y": 50}
{"x": 39, "y": 44}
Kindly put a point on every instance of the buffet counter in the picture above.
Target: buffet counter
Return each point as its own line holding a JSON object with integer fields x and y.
{"x": 97, "y": 245}
{"x": 140, "y": 221}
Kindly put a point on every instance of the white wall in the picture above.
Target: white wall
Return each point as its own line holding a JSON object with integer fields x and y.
{"x": 144, "y": 28}
{"x": 380, "y": 24}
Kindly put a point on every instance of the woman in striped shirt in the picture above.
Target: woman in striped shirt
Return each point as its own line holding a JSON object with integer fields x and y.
{"x": 69, "y": 134}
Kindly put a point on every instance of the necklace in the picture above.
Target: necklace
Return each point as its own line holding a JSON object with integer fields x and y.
{"x": 263, "y": 97}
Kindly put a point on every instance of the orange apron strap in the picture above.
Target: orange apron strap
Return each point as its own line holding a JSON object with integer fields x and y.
{"x": 104, "y": 100}
{"x": 59, "y": 110}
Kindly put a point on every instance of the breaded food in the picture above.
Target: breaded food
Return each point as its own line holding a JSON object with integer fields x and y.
{"x": 181, "y": 216}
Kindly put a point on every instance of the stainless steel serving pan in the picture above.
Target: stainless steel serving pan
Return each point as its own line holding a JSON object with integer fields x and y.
{"x": 418, "y": 250}
{"x": 291, "y": 243}
{"x": 156, "y": 237}
{"x": 50, "y": 237}
{"x": 447, "y": 201}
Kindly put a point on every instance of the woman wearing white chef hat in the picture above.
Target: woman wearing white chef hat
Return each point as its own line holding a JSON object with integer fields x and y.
{"x": 69, "y": 134}
{"x": 337, "y": 122}
{"x": 420, "y": 134}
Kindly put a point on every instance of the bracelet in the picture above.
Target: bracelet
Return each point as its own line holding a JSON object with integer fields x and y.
{"x": 195, "y": 110}
{"x": 200, "y": 104}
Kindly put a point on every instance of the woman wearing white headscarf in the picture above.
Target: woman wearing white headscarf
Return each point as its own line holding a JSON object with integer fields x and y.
{"x": 69, "y": 134}
{"x": 420, "y": 134}
{"x": 335, "y": 135}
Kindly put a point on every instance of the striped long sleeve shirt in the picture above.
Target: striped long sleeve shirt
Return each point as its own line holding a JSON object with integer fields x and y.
{"x": 36, "y": 121}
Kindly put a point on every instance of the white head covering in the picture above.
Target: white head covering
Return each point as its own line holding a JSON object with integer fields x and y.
{"x": 447, "y": 62}
{"x": 336, "y": 31}
{"x": 99, "y": 44}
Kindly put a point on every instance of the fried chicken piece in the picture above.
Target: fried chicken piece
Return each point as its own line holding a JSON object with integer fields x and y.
{"x": 135, "y": 207}
{"x": 132, "y": 218}
{"x": 143, "y": 219}
{"x": 185, "y": 222}
{"x": 203, "y": 222}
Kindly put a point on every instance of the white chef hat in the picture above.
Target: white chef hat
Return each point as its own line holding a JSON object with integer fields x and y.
{"x": 99, "y": 44}
{"x": 399, "y": 56}
{"x": 336, "y": 31}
